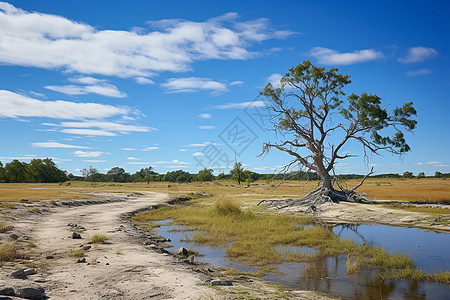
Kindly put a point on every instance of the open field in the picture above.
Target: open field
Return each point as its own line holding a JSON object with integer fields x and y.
{"x": 423, "y": 190}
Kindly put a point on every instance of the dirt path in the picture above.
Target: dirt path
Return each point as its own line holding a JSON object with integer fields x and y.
{"x": 121, "y": 269}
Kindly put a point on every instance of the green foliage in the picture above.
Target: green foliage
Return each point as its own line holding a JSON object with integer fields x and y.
{"x": 205, "y": 175}
{"x": 38, "y": 171}
{"x": 408, "y": 175}
{"x": 237, "y": 173}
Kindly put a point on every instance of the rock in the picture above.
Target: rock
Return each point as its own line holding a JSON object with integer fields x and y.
{"x": 19, "y": 274}
{"x": 8, "y": 291}
{"x": 222, "y": 282}
{"x": 31, "y": 293}
{"x": 85, "y": 248}
{"x": 30, "y": 271}
{"x": 14, "y": 236}
{"x": 24, "y": 200}
{"x": 81, "y": 260}
{"x": 49, "y": 257}
{"x": 182, "y": 252}
{"x": 76, "y": 236}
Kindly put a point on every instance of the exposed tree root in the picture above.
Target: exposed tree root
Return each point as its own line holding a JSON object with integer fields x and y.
{"x": 316, "y": 198}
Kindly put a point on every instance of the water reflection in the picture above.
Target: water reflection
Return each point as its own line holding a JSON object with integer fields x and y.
{"x": 430, "y": 251}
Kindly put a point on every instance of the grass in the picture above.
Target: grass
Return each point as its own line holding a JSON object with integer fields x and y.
{"x": 251, "y": 236}
{"x": 5, "y": 228}
{"x": 9, "y": 251}
{"x": 425, "y": 189}
{"x": 415, "y": 208}
{"x": 99, "y": 239}
{"x": 77, "y": 253}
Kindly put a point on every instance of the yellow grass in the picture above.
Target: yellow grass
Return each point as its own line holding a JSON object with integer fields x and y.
{"x": 425, "y": 189}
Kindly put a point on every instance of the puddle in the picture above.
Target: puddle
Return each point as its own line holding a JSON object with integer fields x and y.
{"x": 430, "y": 252}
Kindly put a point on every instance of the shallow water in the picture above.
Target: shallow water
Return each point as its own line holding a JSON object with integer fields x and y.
{"x": 430, "y": 252}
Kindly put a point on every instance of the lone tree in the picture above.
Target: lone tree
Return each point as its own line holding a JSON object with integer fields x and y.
{"x": 310, "y": 115}
{"x": 238, "y": 172}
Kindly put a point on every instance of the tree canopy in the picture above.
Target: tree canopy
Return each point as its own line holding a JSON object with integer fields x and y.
{"x": 310, "y": 113}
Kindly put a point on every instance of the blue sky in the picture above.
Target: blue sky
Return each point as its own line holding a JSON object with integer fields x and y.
{"x": 174, "y": 85}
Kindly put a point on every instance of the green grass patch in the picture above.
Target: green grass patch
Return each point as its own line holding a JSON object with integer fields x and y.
{"x": 77, "y": 253}
{"x": 253, "y": 236}
{"x": 99, "y": 238}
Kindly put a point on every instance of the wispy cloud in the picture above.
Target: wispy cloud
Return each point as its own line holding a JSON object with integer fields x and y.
{"x": 95, "y": 160}
{"x": 48, "y": 41}
{"x": 194, "y": 84}
{"x": 332, "y": 57}
{"x": 236, "y": 83}
{"x": 207, "y": 127}
{"x": 205, "y": 116}
{"x": 241, "y": 105}
{"x": 419, "y": 72}
{"x": 103, "y": 125}
{"x": 104, "y": 89}
{"x": 80, "y": 153}
{"x": 150, "y": 148}
{"x": 92, "y": 132}
{"x": 143, "y": 80}
{"x": 162, "y": 162}
{"x": 15, "y": 106}
{"x": 418, "y": 54}
{"x": 198, "y": 154}
{"x": 433, "y": 163}
{"x": 52, "y": 144}
{"x": 128, "y": 149}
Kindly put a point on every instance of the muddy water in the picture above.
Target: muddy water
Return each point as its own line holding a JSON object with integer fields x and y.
{"x": 430, "y": 252}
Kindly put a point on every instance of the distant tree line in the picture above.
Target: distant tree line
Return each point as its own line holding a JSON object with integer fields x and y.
{"x": 46, "y": 171}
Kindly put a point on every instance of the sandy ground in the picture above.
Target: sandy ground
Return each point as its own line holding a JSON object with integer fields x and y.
{"x": 120, "y": 269}
{"x": 123, "y": 268}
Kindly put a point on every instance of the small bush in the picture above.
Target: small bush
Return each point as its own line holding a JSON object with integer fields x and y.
{"x": 99, "y": 238}
{"x": 5, "y": 228}
{"x": 77, "y": 253}
{"x": 9, "y": 252}
{"x": 227, "y": 207}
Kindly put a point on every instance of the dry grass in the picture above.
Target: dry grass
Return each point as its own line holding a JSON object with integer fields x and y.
{"x": 77, "y": 253}
{"x": 9, "y": 251}
{"x": 99, "y": 238}
{"x": 4, "y": 227}
{"x": 425, "y": 189}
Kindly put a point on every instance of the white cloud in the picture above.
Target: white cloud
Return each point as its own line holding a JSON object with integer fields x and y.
{"x": 106, "y": 125}
{"x": 14, "y": 106}
{"x": 332, "y": 57}
{"x": 207, "y": 127}
{"x": 193, "y": 84}
{"x": 419, "y": 72}
{"x": 138, "y": 163}
{"x": 143, "y": 80}
{"x": 88, "y": 132}
{"x": 198, "y": 154}
{"x": 205, "y": 116}
{"x": 34, "y": 39}
{"x": 80, "y": 153}
{"x": 182, "y": 150}
{"x": 150, "y": 148}
{"x": 241, "y": 105}
{"x": 162, "y": 162}
{"x": 104, "y": 89}
{"x": 95, "y": 160}
{"x": 418, "y": 54}
{"x": 87, "y": 80}
{"x": 51, "y": 144}
{"x": 274, "y": 79}
{"x": 132, "y": 158}
{"x": 128, "y": 149}
{"x": 236, "y": 83}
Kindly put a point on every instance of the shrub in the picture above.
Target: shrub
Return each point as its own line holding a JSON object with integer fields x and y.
{"x": 227, "y": 207}
{"x": 99, "y": 238}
